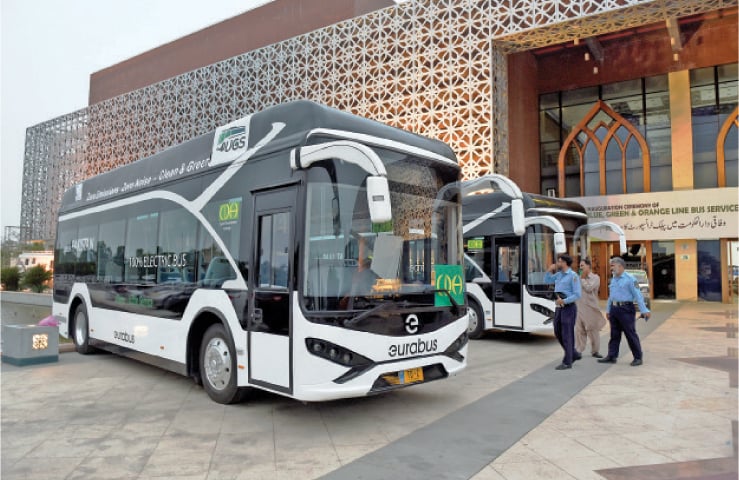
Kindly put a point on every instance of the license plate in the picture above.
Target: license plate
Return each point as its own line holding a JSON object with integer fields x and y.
{"x": 412, "y": 375}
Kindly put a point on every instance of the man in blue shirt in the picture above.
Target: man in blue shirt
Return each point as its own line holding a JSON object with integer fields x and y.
{"x": 621, "y": 314}
{"x": 568, "y": 290}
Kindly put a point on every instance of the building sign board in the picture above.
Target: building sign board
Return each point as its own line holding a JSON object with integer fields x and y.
{"x": 708, "y": 213}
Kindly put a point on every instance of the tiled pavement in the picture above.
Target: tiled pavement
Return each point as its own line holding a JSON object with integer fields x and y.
{"x": 107, "y": 417}
{"x": 644, "y": 422}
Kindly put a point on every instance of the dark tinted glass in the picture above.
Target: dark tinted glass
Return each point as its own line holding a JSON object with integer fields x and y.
{"x": 141, "y": 247}
{"x": 582, "y": 95}
{"x": 177, "y": 242}
{"x": 622, "y": 89}
{"x": 702, "y": 76}
{"x": 111, "y": 251}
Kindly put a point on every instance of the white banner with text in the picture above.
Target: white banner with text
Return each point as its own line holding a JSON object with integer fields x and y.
{"x": 708, "y": 213}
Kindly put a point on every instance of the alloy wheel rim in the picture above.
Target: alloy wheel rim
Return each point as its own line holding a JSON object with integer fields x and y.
{"x": 80, "y": 327}
{"x": 472, "y": 326}
{"x": 217, "y": 363}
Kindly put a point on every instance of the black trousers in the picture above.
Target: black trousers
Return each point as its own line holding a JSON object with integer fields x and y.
{"x": 623, "y": 319}
{"x": 564, "y": 330}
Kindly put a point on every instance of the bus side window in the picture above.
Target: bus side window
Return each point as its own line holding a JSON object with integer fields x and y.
{"x": 141, "y": 247}
{"x": 213, "y": 267}
{"x": 110, "y": 251}
{"x": 85, "y": 245}
{"x": 65, "y": 259}
{"x": 177, "y": 235}
{"x": 225, "y": 217}
{"x": 273, "y": 250}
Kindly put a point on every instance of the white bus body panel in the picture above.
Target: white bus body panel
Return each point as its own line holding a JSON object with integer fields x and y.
{"x": 156, "y": 336}
{"x": 533, "y": 320}
{"x": 314, "y": 375}
{"x": 508, "y": 315}
{"x": 270, "y": 358}
{"x": 476, "y": 292}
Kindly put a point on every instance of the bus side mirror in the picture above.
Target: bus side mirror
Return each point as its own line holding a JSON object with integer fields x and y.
{"x": 518, "y": 217}
{"x": 378, "y": 199}
{"x": 560, "y": 246}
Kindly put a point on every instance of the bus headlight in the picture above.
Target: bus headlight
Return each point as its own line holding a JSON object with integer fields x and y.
{"x": 453, "y": 349}
{"x": 336, "y": 354}
{"x": 547, "y": 312}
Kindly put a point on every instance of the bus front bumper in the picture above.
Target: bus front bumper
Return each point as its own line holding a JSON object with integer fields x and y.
{"x": 384, "y": 377}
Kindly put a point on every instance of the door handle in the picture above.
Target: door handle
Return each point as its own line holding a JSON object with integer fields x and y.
{"x": 256, "y": 316}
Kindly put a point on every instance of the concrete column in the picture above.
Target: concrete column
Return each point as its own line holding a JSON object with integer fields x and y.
{"x": 524, "y": 166}
{"x": 682, "y": 130}
{"x": 686, "y": 251}
{"x": 686, "y": 269}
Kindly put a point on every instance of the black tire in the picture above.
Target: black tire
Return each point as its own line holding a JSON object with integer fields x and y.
{"x": 217, "y": 362}
{"x": 477, "y": 321}
{"x": 81, "y": 330}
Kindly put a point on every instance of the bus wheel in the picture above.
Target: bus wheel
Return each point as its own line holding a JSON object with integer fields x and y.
{"x": 81, "y": 335}
{"x": 476, "y": 321}
{"x": 218, "y": 366}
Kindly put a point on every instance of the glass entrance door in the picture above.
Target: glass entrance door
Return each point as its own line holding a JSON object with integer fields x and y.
{"x": 663, "y": 270}
{"x": 709, "y": 270}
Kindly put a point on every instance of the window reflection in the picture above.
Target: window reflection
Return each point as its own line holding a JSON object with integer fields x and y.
{"x": 643, "y": 103}
{"x": 713, "y": 97}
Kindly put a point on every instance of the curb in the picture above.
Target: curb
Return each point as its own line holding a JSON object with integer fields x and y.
{"x": 63, "y": 348}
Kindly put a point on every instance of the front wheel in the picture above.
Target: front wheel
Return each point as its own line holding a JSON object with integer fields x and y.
{"x": 218, "y": 366}
{"x": 81, "y": 327}
{"x": 476, "y": 324}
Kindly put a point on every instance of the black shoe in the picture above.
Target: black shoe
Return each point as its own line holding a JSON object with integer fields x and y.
{"x": 636, "y": 362}
{"x": 597, "y": 355}
{"x": 562, "y": 366}
{"x": 607, "y": 360}
{"x": 577, "y": 357}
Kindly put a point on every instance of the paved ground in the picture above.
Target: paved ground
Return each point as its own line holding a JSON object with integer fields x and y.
{"x": 102, "y": 416}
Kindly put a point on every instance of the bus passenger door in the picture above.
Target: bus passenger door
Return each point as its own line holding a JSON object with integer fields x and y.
{"x": 507, "y": 282}
{"x": 270, "y": 315}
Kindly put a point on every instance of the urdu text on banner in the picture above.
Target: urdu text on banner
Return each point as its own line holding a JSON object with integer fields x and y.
{"x": 708, "y": 213}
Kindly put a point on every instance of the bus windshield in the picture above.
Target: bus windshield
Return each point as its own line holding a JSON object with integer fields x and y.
{"x": 351, "y": 263}
{"x": 540, "y": 255}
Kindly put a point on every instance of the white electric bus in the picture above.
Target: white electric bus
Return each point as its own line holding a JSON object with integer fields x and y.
{"x": 301, "y": 250}
{"x": 511, "y": 238}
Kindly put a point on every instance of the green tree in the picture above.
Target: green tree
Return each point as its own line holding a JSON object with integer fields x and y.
{"x": 36, "y": 246}
{"x": 10, "y": 278}
{"x": 35, "y": 278}
{"x": 10, "y": 249}
{"x": 9, "y": 253}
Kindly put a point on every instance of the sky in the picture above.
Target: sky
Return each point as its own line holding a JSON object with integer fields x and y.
{"x": 49, "y": 48}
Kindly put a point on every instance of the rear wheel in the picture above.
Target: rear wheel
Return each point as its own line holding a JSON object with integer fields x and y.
{"x": 81, "y": 326}
{"x": 218, "y": 366}
{"x": 476, "y": 324}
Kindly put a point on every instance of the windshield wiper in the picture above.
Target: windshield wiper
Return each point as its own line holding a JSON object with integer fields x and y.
{"x": 385, "y": 304}
{"x": 455, "y": 305}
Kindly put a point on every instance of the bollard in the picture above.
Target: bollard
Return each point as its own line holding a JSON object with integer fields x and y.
{"x": 29, "y": 344}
